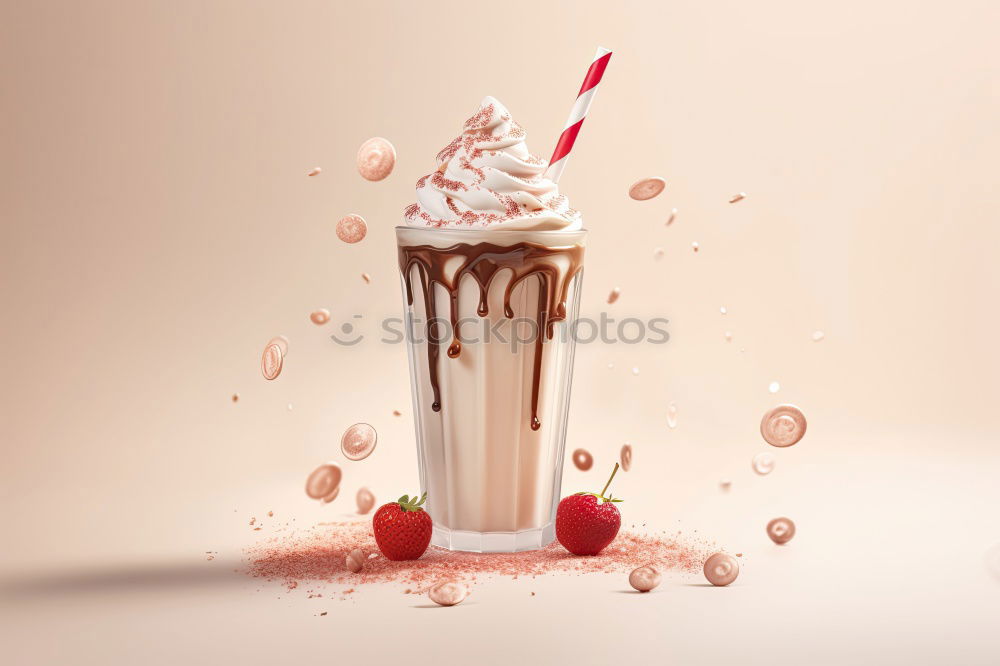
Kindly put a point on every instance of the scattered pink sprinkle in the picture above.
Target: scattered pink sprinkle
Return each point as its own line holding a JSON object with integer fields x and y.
{"x": 317, "y": 555}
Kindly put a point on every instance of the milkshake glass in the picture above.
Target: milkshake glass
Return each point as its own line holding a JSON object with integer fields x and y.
{"x": 491, "y": 264}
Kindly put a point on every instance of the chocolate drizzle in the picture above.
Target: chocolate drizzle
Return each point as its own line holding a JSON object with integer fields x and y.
{"x": 482, "y": 261}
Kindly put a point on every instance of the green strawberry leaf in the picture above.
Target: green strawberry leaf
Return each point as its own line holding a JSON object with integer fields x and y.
{"x": 412, "y": 504}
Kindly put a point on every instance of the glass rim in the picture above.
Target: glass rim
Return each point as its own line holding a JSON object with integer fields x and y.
{"x": 543, "y": 232}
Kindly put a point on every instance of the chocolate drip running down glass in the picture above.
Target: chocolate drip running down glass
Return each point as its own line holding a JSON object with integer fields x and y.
{"x": 491, "y": 263}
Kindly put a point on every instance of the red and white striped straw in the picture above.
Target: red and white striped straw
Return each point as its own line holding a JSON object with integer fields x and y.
{"x": 576, "y": 117}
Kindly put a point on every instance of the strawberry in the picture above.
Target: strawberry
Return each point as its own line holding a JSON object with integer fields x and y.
{"x": 403, "y": 528}
{"x": 584, "y": 526}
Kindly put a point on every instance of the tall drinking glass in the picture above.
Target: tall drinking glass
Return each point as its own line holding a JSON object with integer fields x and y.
{"x": 490, "y": 319}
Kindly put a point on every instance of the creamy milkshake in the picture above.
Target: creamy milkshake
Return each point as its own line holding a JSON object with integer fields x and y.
{"x": 491, "y": 260}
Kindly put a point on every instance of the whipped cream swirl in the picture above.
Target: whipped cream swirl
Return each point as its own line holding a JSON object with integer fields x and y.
{"x": 486, "y": 178}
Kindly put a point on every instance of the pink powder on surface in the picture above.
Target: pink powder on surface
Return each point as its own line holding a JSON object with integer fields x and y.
{"x": 316, "y": 555}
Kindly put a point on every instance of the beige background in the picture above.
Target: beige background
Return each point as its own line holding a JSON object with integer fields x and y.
{"x": 158, "y": 229}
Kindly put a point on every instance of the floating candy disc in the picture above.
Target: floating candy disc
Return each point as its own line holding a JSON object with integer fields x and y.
{"x": 358, "y": 441}
{"x": 781, "y": 530}
{"x": 647, "y": 188}
{"x": 783, "y": 426}
{"x": 583, "y": 460}
{"x": 272, "y": 361}
{"x": 763, "y": 463}
{"x": 626, "y": 457}
{"x": 352, "y": 228}
{"x": 365, "y": 500}
{"x": 324, "y": 481}
{"x": 282, "y": 343}
{"x": 376, "y": 158}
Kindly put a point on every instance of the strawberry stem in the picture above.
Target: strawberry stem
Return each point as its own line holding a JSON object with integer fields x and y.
{"x": 600, "y": 495}
{"x": 613, "y": 472}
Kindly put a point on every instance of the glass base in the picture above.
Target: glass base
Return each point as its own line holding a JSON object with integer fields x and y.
{"x": 494, "y": 542}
